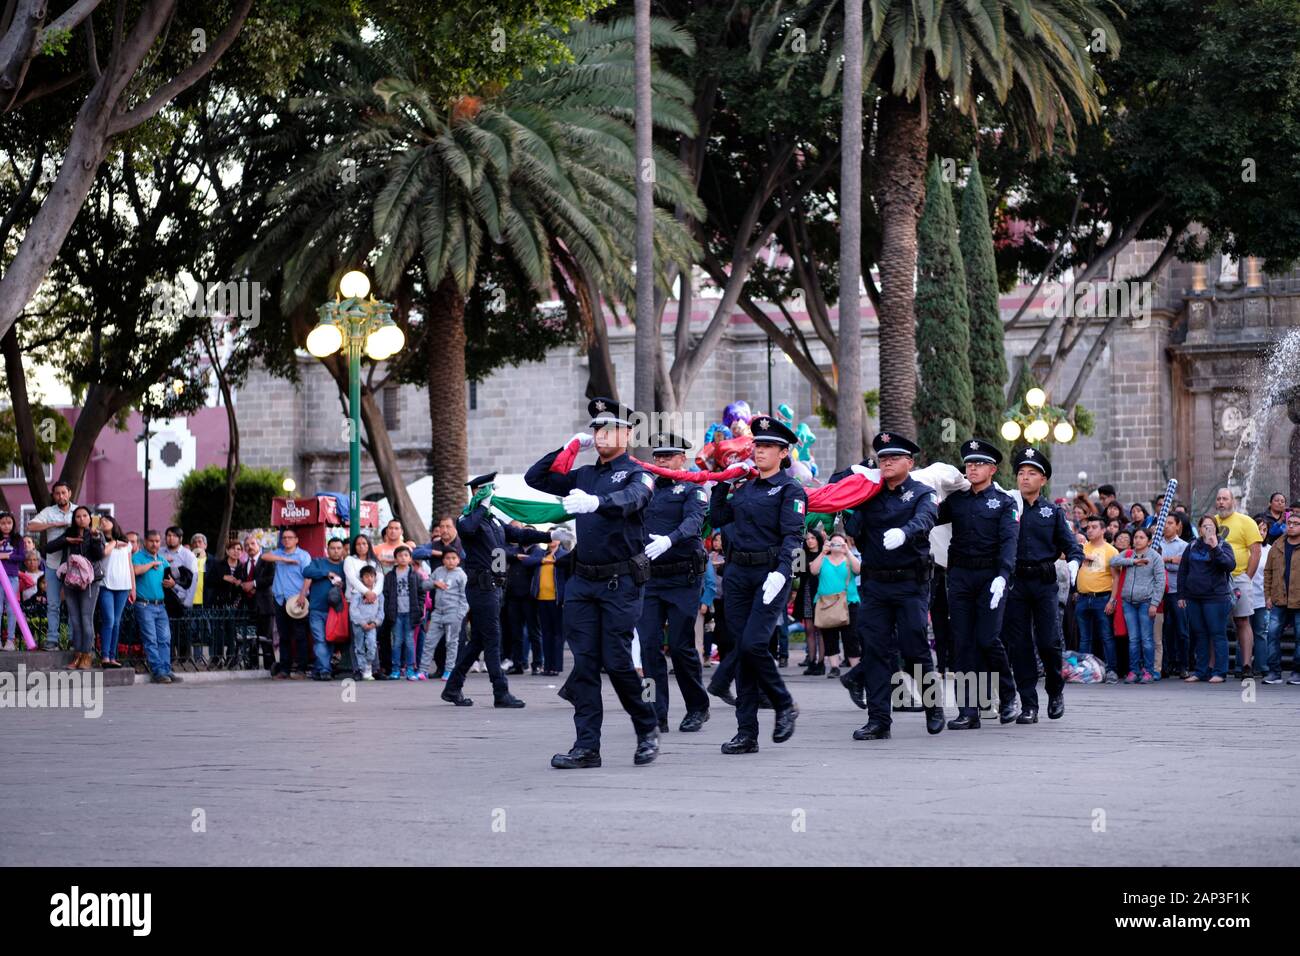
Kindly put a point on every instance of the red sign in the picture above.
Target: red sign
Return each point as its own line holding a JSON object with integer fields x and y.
{"x": 321, "y": 509}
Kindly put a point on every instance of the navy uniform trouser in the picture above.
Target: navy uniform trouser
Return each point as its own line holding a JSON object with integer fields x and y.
{"x": 1032, "y": 621}
{"x": 598, "y": 622}
{"x": 891, "y": 622}
{"x": 976, "y": 630}
{"x": 752, "y": 623}
{"x": 673, "y": 602}
{"x": 484, "y": 638}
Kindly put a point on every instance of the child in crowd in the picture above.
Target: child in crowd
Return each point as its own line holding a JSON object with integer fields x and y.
{"x": 1140, "y": 594}
{"x": 449, "y": 611}
{"x": 404, "y": 590}
{"x": 366, "y": 617}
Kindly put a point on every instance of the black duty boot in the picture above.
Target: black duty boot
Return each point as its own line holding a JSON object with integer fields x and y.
{"x": 740, "y": 744}
{"x": 663, "y": 726}
{"x": 857, "y": 689}
{"x": 693, "y": 721}
{"x": 1056, "y": 706}
{"x": 647, "y": 748}
{"x": 784, "y": 727}
{"x": 1009, "y": 711}
{"x": 871, "y": 731}
{"x": 508, "y": 700}
{"x": 963, "y": 722}
{"x": 1028, "y": 716}
{"x": 723, "y": 694}
{"x": 457, "y": 698}
{"x": 934, "y": 720}
{"x": 579, "y": 758}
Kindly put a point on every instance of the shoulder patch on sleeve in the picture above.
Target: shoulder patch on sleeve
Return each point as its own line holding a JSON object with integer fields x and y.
{"x": 798, "y": 506}
{"x": 647, "y": 479}
{"x": 700, "y": 493}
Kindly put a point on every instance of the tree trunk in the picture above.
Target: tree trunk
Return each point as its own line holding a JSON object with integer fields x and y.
{"x": 232, "y": 438}
{"x": 33, "y": 467}
{"x": 447, "y": 405}
{"x": 379, "y": 445}
{"x": 98, "y": 408}
{"x": 848, "y": 411}
{"x": 900, "y": 193}
{"x": 647, "y": 328}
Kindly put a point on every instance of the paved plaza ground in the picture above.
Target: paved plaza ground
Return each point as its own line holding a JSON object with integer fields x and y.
{"x": 289, "y": 773}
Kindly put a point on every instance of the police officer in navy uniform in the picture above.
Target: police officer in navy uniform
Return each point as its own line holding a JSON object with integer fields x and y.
{"x": 674, "y": 521}
{"x": 1033, "y": 612}
{"x": 603, "y": 597}
{"x": 484, "y": 538}
{"x": 981, "y": 562}
{"x": 892, "y": 530}
{"x": 764, "y": 526}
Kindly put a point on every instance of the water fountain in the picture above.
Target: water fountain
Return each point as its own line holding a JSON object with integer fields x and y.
{"x": 1281, "y": 387}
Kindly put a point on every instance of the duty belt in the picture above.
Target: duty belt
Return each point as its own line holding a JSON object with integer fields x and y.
{"x": 487, "y": 579}
{"x": 972, "y": 564}
{"x": 1043, "y": 570}
{"x": 912, "y": 572}
{"x": 601, "y": 572}
{"x": 753, "y": 559}
{"x": 658, "y": 570}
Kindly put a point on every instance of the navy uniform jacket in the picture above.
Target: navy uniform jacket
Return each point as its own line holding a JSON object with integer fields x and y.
{"x": 678, "y": 510}
{"x": 484, "y": 537}
{"x": 1044, "y": 533}
{"x": 616, "y": 529}
{"x": 983, "y": 526}
{"x": 763, "y": 513}
{"x": 912, "y": 506}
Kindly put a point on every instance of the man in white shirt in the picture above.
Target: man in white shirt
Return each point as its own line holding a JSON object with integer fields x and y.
{"x": 54, "y": 518}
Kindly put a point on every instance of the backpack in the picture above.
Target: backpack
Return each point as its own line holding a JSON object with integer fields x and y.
{"x": 76, "y": 573}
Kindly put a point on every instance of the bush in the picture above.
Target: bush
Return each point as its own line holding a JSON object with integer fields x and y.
{"x": 201, "y": 498}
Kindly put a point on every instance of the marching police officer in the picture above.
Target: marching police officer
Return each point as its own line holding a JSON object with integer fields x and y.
{"x": 674, "y": 520}
{"x": 603, "y": 598}
{"x": 892, "y": 529}
{"x": 1032, "y": 603}
{"x": 981, "y": 560}
{"x": 764, "y": 519}
{"x": 484, "y": 538}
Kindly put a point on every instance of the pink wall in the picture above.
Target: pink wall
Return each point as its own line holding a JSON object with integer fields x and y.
{"x": 114, "y": 478}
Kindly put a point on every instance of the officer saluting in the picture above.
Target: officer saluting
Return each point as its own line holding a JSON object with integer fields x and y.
{"x": 602, "y": 601}
{"x": 484, "y": 539}
{"x": 981, "y": 560}
{"x": 674, "y": 521}
{"x": 892, "y": 531}
{"x": 765, "y": 524}
{"x": 1044, "y": 535}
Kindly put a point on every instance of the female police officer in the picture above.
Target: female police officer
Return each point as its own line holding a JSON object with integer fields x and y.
{"x": 763, "y": 524}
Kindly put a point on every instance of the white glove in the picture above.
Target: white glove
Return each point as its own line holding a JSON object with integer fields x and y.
{"x": 772, "y": 586}
{"x": 585, "y": 442}
{"x": 564, "y": 536}
{"x": 580, "y": 503}
{"x": 1074, "y": 571}
{"x": 894, "y": 538}
{"x": 996, "y": 588}
{"x": 659, "y": 543}
{"x": 859, "y": 469}
{"x": 749, "y": 466}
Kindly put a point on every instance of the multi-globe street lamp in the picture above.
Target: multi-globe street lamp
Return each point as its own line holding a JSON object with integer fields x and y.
{"x": 1040, "y": 421}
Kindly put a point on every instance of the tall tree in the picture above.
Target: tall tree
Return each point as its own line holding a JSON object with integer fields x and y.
{"x": 647, "y": 345}
{"x": 944, "y": 403}
{"x": 988, "y": 362}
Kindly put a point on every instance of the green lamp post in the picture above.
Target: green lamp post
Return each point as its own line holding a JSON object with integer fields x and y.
{"x": 355, "y": 324}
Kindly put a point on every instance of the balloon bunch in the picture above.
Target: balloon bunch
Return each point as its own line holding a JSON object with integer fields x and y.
{"x": 804, "y": 467}
{"x": 730, "y": 440}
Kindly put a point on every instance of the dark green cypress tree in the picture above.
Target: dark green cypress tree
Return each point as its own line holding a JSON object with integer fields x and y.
{"x": 988, "y": 363}
{"x": 944, "y": 408}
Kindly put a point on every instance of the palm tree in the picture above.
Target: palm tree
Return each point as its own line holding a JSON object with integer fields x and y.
{"x": 647, "y": 332}
{"x": 1031, "y": 56}
{"x": 848, "y": 413}
{"x": 544, "y": 171}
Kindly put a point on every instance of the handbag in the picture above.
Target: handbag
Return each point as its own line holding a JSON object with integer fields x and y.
{"x": 832, "y": 611}
{"x": 337, "y": 629}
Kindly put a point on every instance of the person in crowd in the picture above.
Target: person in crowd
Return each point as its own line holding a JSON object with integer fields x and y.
{"x": 1113, "y": 530}
{"x": 365, "y": 616}
{"x": 151, "y": 571}
{"x": 449, "y": 610}
{"x": 814, "y": 542}
{"x": 1139, "y": 517}
{"x": 1259, "y": 619}
{"x": 1282, "y": 596}
{"x": 320, "y": 577}
{"x": 1123, "y": 541}
{"x": 1276, "y": 516}
{"x": 362, "y": 555}
{"x": 1096, "y": 585}
{"x": 257, "y": 581}
{"x": 54, "y": 517}
{"x": 199, "y": 548}
{"x": 386, "y": 547}
{"x": 707, "y": 599}
{"x": 31, "y": 579}
{"x": 1105, "y": 496}
{"x": 403, "y": 608}
{"x": 1174, "y": 627}
{"x": 835, "y": 570}
{"x": 517, "y": 637}
{"x": 444, "y": 538}
{"x": 184, "y": 573}
{"x": 220, "y": 586}
{"x": 1080, "y": 510}
{"x": 714, "y": 649}
{"x": 547, "y": 591}
{"x": 1114, "y": 511}
{"x": 1242, "y": 534}
{"x": 13, "y": 552}
{"x": 81, "y": 539}
{"x": 1141, "y": 594}
{"x": 1205, "y": 593}
{"x": 289, "y": 561}
{"x": 116, "y": 588}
